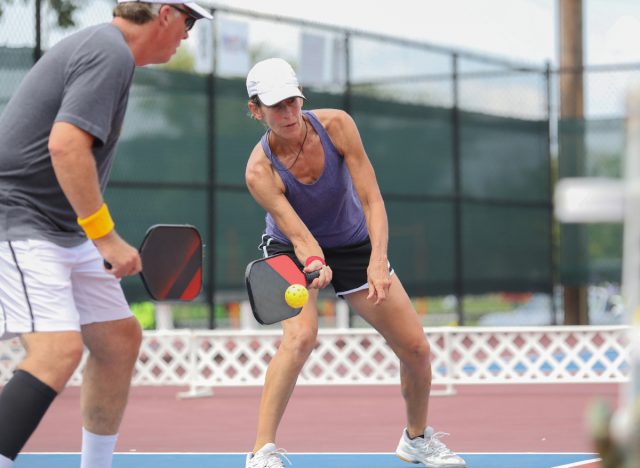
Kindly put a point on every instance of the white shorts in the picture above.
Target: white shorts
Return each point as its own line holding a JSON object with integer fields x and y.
{"x": 45, "y": 287}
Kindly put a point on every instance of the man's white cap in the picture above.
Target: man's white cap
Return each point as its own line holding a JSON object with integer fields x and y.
{"x": 197, "y": 9}
{"x": 273, "y": 80}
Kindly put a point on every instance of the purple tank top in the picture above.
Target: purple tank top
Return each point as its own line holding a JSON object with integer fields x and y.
{"x": 329, "y": 207}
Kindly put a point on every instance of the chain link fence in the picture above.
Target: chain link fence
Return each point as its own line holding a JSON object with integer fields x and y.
{"x": 464, "y": 147}
{"x": 594, "y": 146}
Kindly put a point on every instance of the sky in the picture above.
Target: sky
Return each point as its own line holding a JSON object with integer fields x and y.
{"x": 521, "y": 30}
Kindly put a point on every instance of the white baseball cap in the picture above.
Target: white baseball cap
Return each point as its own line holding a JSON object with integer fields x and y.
{"x": 273, "y": 80}
{"x": 197, "y": 9}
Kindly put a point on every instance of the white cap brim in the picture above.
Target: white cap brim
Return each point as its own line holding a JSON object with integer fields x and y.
{"x": 273, "y": 97}
{"x": 198, "y": 10}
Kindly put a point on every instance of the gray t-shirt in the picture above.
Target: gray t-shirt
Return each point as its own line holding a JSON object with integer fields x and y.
{"x": 83, "y": 80}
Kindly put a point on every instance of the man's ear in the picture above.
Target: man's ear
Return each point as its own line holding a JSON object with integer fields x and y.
{"x": 164, "y": 15}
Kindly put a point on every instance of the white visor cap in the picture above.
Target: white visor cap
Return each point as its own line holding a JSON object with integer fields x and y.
{"x": 273, "y": 80}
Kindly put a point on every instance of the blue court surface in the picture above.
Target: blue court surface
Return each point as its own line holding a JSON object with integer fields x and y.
{"x": 306, "y": 460}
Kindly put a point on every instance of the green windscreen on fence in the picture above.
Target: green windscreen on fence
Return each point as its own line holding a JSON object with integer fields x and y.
{"x": 591, "y": 253}
{"x": 506, "y": 214}
{"x": 14, "y": 65}
{"x": 504, "y": 200}
{"x": 499, "y": 219}
{"x": 504, "y": 182}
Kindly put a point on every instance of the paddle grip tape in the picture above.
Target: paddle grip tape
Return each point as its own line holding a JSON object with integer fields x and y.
{"x": 23, "y": 402}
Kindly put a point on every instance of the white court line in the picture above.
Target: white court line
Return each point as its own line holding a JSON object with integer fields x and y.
{"x": 576, "y": 464}
{"x": 335, "y": 453}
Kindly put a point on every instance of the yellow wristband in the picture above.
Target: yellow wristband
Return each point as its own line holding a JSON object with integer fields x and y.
{"x": 98, "y": 224}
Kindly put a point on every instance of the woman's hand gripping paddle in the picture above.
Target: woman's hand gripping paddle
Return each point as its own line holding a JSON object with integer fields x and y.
{"x": 277, "y": 288}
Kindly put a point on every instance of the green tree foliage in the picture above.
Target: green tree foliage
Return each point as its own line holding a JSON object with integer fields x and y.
{"x": 182, "y": 61}
{"x": 63, "y": 8}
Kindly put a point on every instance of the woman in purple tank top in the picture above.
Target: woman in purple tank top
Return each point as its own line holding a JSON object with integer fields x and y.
{"x": 311, "y": 174}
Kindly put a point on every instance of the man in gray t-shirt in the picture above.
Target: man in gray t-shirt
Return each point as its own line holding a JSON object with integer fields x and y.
{"x": 58, "y": 136}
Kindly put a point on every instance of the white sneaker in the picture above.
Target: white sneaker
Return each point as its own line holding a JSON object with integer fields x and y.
{"x": 267, "y": 457}
{"x": 429, "y": 451}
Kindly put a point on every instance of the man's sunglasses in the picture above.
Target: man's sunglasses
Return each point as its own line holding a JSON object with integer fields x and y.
{"x": 189, "y": 21}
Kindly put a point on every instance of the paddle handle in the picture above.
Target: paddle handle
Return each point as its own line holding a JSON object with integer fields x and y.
{"x": 311, "y": 276}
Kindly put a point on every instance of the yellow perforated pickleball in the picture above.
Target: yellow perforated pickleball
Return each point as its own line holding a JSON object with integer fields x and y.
{"x": 296, "y": 296}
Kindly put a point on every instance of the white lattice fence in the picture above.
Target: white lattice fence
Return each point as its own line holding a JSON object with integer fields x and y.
{"x": 460, "y": 356}
{"x": 11, "y": 353}
{"x": 165, "y": 359}
{"x": 340, "y": 357}
{"x": 559, "y": 354}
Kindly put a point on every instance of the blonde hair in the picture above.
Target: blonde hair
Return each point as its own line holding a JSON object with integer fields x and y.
{"x": 137, "y": 12}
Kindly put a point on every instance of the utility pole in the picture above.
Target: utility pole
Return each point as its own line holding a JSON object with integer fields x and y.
{"x": 572, "y": 154}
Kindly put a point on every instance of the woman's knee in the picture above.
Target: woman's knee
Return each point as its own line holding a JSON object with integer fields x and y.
{"x": 415, "y": 352}
{"x": 301, "y": 341}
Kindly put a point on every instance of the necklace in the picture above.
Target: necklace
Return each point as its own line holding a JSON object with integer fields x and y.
{"x": 306, "y": 130}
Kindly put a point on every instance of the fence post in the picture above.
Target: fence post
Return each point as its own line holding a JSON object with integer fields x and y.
{"x": 447, "y": 350}
{"x": 210, "y": 215}
{"x": 164, "y": 316}
{"x": 347, "y": 72}
{"x": 342, "y": 314}
{"x": 247, "y": 321}
{"x": 553, "y": 246}
{"x": 457, "y": 195}
{"x": 37, "y": 51}
{"x": 194, "y": 391}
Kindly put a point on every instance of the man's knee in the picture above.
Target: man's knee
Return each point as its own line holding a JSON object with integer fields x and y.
{"x": 132, "y": 334}
{"x": 114, "y": 341}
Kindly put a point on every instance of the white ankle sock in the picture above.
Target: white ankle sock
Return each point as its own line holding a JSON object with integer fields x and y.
{"x": 5, "y": 462}
{"x": 97, "y": 450}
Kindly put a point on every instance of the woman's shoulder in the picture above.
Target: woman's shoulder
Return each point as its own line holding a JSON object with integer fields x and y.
{"x": 258, "y": 164}
{"x": 257, "y": 154}
{"x": 332, "y": 118}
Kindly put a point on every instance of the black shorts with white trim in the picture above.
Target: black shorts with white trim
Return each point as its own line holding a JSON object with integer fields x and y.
{"x": 349, "y": 264}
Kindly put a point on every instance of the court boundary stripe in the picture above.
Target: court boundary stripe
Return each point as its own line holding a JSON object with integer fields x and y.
{"x": 332, "y": 453}
{"x": 580, "y": 463}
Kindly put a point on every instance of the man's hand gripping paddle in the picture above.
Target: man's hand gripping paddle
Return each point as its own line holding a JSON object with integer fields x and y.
{"x": 171, "y": 262}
